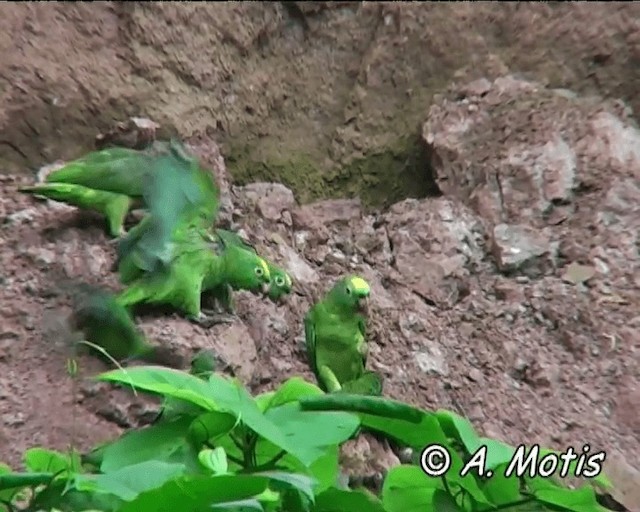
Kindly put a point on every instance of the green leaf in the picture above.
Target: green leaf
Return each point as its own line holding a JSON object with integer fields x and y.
{"x": 337, "y": 500}
{"x": 126, "y": 483}
{"x": 575, "y": 500}
{"x": 407, "y": 489}
{"x": 443, "y": 502}
{"x": 163, "y": 442}
{"x": 312, "y": 432}
{"x": 292, "y": 390}
{"x": 232, "y": 396}
{"x": 302, "y": 483}
{"x": 263, "y": 400}
{"x": 459, "y": 428}
{"x": 210, "y": 426}
{"x": 497, "y": 452}
{"x": 500, "y": 489}
{"x": 39, "y": 460}
{"x": 215, "y": 460}
{"x": 165, "y": 381}
{"x": 195, "y": 493}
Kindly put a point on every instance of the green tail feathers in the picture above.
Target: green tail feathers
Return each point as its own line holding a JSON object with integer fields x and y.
{"x": 370, "y": 383}
{"x": 110, "y": 204}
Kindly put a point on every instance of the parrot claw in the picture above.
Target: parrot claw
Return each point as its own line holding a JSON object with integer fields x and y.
{"x": 209, "y": 320}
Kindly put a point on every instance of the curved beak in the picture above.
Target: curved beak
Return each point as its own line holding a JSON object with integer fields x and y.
{"x": 264, "y": 289}
{"x": 363, "y": 305}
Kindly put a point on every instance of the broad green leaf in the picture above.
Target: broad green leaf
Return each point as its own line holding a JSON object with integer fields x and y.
{"x": 302, "y": 483}
{"x": 40, "y": 460}
{"x": 443, "y": 502}
{"x": 312, "y": 432}
{"x": 263, "y": 400}
{"x": 500, "y": 489}
{"x": 161, "y": 442}
{"x": 456, "y": 427}
{"x": 497, "y": 452}
{"x": 292, "y": 390}
{"x": 210, "y": 426}
{"x": 575, "y": 500}
{"x": 165, "y": 381}
{"x": 215, "y": 460}
{"x": 337, "y": 500}
{"x": 407, "y": 489}
{"x": 128, "y": 482}
{"x": 232, "y": 396}
{"x": 195, "y": 493}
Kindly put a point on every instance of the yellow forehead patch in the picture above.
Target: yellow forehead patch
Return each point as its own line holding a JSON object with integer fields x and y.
{"x": 359, "y": 285}
{"x": 265, "y": 267}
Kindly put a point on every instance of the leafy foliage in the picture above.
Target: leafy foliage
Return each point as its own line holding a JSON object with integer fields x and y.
{"x": 276, "y": 452}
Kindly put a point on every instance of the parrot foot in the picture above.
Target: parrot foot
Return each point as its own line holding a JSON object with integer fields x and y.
{"x": 209, "y": 320}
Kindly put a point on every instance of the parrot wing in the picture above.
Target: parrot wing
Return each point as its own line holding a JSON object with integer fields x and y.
{"x": 118, "y": 170}
{"x": 310, "y": 339}
{"x": 181, "y": 198}
{"x": 370, "y": 383}
{"x": 362, "y": 327}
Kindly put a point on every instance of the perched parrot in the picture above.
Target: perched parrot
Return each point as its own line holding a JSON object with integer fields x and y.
{"x": 107, "y": 324}
{"x": 198, "y": 264}
{"x": 114, "y": 180}
{"x": 281, "y": 282}
{"x": 335, "y": 330}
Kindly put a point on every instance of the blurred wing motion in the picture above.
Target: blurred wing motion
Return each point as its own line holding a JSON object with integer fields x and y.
{"x": 107, "y": 324}
{"x": 180, "y": 196}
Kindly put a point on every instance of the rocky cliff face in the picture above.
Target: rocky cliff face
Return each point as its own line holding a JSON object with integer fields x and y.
{"x": 512, "y": 297}
{"x": 314, "y": 95}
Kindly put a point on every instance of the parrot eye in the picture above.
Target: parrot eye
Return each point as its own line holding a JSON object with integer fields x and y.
{"x": 348, "y": 290}
{"x": 259, "y": 271}
{"x": 279, "y": 281}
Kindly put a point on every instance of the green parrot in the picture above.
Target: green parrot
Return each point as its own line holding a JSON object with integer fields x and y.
{"x": 114, "y": 180}
{"x": 199, "y": 264}
{"x": 335, "y": 330}
{"x": 182, "y": 200}
{"x": 281, "y": 282}
{"x": 107, "y": 324}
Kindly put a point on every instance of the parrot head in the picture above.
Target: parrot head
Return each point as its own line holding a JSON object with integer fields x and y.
{"x": 245, "y": 270}
{"x": 281, "y": 283}
{"x": 352, "y": 293}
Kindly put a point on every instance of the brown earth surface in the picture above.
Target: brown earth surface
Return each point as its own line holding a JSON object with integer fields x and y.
{"x": 512, "y": 298}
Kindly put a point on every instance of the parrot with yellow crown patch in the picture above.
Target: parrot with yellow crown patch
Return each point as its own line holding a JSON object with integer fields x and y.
{"x": 335, "y": 335}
